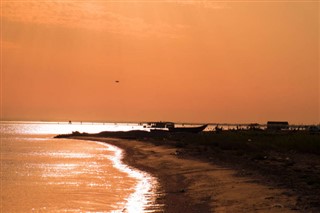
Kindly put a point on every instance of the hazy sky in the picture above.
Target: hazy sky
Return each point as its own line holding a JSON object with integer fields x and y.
{"x": 188, "y": 61}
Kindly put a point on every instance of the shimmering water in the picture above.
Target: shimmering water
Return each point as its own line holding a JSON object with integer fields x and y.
{"x": 42, "y": 174}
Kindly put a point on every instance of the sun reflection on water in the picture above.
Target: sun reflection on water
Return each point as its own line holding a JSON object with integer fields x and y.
{"x": 59, "y": 175}
{"x": 65, "y": 128}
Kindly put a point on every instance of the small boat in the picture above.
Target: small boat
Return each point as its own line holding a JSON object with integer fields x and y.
{"x": 160, "y": 125}
{"x": 188, "y": 129}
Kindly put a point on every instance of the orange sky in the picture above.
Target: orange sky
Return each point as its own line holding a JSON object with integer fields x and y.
{"x": 188, "y": 61}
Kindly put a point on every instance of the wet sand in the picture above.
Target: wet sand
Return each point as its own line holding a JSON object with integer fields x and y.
{"x": 195, "y": 182}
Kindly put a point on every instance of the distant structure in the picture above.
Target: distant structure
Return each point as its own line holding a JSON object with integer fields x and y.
{"x": 254, "y": 126}
{"x": 277, "y": 125}
{"x": 314, "y": 129}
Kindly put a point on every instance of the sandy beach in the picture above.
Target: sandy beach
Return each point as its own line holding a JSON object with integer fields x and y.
{"x": 218, "y": 101}
{"x": 196, "y": 179}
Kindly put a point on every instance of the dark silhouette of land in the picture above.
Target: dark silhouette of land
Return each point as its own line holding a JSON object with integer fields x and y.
{"x": 285, "y": 162}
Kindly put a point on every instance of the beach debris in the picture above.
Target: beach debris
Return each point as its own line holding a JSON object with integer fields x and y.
{"x": 277, "y": 205}
{"x": 175, "y": 153}
{"x": 182, "y": 190}
{"x": 269, "y": 198}
{"x": 259, "y": 157}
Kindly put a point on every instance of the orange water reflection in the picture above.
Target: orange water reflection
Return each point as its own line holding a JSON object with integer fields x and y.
{"x": 65, "y": 128}
{"x": 57, "y": 175}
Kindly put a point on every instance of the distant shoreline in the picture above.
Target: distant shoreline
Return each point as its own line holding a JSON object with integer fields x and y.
{"x": 283, "y": 162}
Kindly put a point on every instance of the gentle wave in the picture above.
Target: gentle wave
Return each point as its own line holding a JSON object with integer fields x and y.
{"x": 42, "y": 174}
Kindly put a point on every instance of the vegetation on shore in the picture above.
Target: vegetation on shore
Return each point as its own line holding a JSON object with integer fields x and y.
{"x": 255, "y": 141}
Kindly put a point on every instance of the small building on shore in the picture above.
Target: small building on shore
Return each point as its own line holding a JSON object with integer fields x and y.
{"x": 277, "y": 125}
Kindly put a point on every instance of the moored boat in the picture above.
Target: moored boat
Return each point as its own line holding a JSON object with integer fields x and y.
{"x": 188, "y": 129}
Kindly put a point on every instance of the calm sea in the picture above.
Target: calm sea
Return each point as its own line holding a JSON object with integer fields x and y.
{"x": 42, "y": 174}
